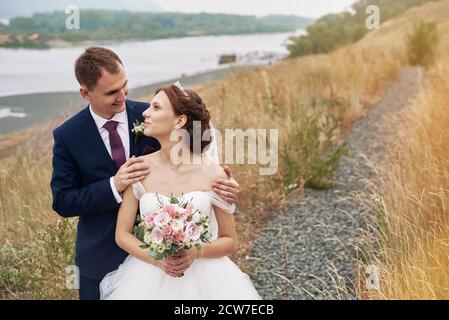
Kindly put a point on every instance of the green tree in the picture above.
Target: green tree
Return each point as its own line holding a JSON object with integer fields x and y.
{"x": 336, "y": 30}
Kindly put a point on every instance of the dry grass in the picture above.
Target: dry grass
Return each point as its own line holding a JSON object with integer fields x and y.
{"x": 413, "y": 234}
{"x": 25, "y": 173}
{"x": 409, "y": 239}
{"x": 36, "y": 246}
{"x": 4, "y": 38}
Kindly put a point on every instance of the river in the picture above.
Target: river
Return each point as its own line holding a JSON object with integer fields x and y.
{"x": 37, "y": 85}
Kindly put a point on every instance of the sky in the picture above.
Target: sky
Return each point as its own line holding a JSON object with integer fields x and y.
{"x": 307, "y": 8}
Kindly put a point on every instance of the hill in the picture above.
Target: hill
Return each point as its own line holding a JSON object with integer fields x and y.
{"x": 25, "y": 8}
{"x": 41, "y": 29}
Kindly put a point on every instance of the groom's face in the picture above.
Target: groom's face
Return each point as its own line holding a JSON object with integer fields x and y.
{"x": 108, "y": 97}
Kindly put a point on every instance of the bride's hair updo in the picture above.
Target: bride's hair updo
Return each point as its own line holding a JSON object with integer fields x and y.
{"x": 189, "y": 103}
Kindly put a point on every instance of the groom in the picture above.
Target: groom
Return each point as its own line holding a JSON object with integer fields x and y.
{"x": 95, "y": 158}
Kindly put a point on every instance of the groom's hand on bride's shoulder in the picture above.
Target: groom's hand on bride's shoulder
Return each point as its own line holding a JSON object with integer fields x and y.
{"x": 132, "y": 171}
{"x": 228, "y": 189}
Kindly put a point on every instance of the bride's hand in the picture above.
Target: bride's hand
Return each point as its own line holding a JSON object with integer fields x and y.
{"x": 179, "y": 263}
{"x": 162, "y": 264}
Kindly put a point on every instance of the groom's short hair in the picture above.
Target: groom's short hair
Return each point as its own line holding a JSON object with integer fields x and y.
{"x": 89, "y": 64}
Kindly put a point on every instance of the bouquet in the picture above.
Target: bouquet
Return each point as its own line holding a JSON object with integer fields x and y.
{"x": 174, "y": 227}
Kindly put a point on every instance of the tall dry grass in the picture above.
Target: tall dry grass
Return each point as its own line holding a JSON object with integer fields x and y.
{"x": 284, "y": 97}
{"x": 412, "y": 233}
{"x": 35, "y": 246}
{"x": 408, "y": 241}
{"x": 312, "y": 101}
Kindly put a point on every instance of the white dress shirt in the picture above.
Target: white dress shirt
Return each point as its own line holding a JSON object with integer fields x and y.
{"x": 122, "y": 130}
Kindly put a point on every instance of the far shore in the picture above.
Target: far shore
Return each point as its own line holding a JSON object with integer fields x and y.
{"x": 57, "y": 43}
{"x": 45, "y": 106}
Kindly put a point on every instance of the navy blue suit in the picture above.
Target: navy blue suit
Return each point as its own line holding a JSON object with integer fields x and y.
{"x": 80, "y": 184}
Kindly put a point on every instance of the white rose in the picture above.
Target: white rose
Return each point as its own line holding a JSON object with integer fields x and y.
{"x": 177, "y": 225}
{"x": 147, "y": 237}
{"x": 196, "y": 217}
{"x": 162, "y": 219}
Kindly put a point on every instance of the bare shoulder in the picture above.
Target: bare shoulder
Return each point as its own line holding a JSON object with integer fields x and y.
{"x": 149, "y": 158}
{"x": 213, "y": 171}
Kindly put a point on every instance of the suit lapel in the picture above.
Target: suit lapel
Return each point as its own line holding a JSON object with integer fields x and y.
{"x": 132, "y": 116}
{"x": 94, "y": 138}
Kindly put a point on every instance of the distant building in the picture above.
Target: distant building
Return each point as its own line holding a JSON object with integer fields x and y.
{"x": 34, "y": 37}
{"x": 252, "y": 58}
{"x": 227, "y": 58}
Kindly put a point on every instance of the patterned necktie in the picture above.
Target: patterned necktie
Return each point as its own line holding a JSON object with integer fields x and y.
{"x": 117, "y": 149}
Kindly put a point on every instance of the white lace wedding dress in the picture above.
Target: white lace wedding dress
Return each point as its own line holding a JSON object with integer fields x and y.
{"x": 205, "y": 279}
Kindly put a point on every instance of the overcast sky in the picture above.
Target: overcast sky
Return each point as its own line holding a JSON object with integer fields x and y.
{"x": 308, "y": 8}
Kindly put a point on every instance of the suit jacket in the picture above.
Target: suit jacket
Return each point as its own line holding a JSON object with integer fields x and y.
{"x": 80, "y": 185}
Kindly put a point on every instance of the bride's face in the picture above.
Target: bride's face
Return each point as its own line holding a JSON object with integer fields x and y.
{"x": 160, "y": 119}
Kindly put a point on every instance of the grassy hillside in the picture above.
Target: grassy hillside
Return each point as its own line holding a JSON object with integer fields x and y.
{"x": 338, "y": 29}
{"x": 409, "y": 238}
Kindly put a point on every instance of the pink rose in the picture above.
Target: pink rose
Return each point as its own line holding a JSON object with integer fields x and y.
{"x": 149, "y": 218}
{"x": 162, "y": 219}
{"x": 193, "y": 231}
{"x": 185, "y": 214}
{"x": 157, "y": 236}
{"x": 171, "y": 210}
{"x": 179, "y": 236}
{"x": 189, "y": 208}
{"x": 167, "y": 230}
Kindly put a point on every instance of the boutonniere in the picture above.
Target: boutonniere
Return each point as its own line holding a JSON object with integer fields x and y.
{"x": 138, "y": 128}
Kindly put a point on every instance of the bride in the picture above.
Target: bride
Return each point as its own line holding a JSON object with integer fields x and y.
{"x": 208, "y": 273}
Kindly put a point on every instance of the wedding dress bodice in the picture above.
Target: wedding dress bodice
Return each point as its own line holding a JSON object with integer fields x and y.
{"x": 206, "y": 278}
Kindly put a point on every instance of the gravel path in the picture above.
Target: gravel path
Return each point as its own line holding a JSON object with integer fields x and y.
{"x": 300, "y": 255}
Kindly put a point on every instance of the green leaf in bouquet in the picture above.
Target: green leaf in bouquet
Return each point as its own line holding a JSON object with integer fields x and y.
{"x": 206, "y": 236}
{"x": 139, "y": 232}
{"x": 154, "y": 254}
